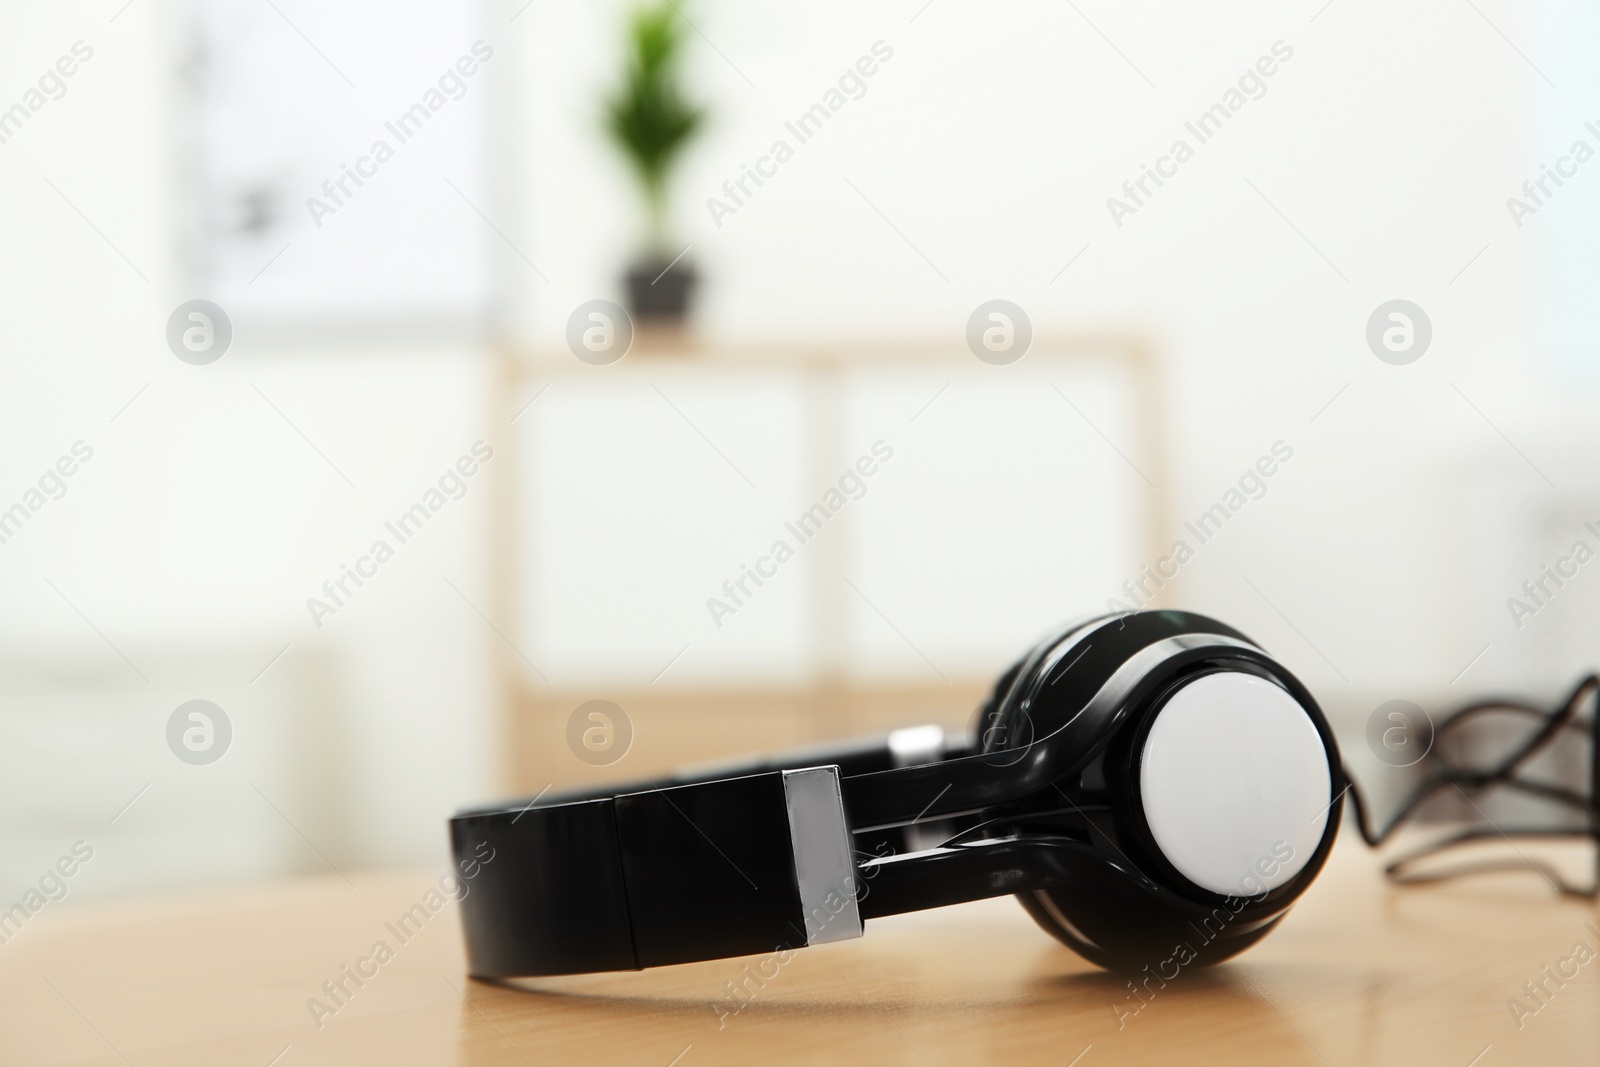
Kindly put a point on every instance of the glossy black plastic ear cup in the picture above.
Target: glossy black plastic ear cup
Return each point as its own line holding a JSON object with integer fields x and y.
{"x": 1150, "y": 891}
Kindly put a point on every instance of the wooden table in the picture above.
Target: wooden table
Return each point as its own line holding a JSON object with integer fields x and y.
{"x": 1361, "y": 973}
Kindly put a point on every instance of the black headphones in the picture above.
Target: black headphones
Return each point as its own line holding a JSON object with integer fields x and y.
{"x": 1153, "y": 787}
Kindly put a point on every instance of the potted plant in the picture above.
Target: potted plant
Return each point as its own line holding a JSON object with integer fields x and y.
{"x": 651, "y": 121}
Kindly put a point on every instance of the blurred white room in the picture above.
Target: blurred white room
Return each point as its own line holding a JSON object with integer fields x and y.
{"x": 421, "y": 317}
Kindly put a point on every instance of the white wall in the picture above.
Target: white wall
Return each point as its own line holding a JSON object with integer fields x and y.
{"x": 1376, "y": 166}
{"x": 1380, "y": 560}
{"x": 189, "y": 544}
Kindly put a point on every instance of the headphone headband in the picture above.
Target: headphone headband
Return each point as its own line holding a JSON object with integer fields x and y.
{"x": 727, "y": 861}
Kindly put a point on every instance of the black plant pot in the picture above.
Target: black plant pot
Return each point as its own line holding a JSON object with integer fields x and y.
{"x": 659, "y": 290}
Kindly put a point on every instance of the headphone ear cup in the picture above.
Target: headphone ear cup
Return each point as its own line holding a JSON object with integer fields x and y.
{"x": 1109, "y": 920}
{"x": 1001, "y": 724}
{"x": 1136, "y": 896}
{"x": 985, "y": 723}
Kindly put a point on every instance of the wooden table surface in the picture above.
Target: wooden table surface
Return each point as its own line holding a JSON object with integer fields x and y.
{"x": 1360, "y": 973}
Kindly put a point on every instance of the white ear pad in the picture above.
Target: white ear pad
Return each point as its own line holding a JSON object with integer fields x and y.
{"x": 1235, "y": 783}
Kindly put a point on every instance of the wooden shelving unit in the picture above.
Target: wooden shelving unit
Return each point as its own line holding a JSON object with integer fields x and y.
{"x": 679, "y": 725}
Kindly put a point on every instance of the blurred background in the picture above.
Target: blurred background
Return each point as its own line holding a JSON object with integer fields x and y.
{"x": 404, "y": 330}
